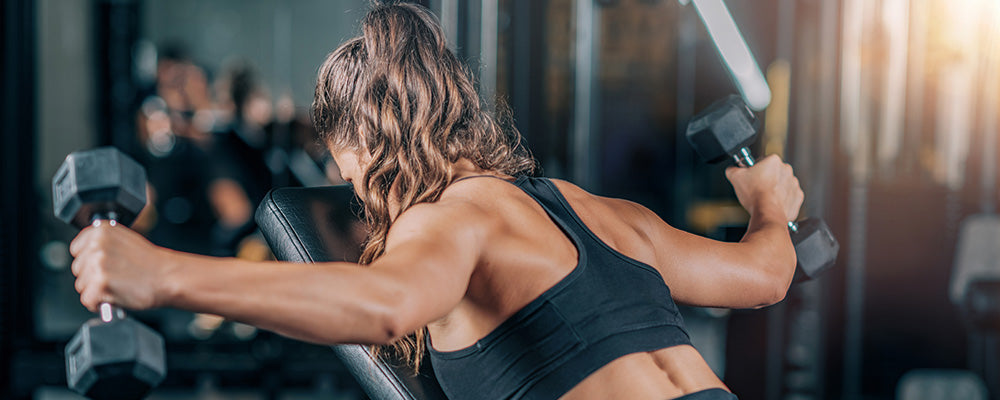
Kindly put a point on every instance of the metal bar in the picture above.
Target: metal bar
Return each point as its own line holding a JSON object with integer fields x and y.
{"x": 585, "y": 110}
{"x": 917, "y": 42}
{"x": 854, "y": 139}
{"x": 854, "y": 297}
{"x": 488, "y": 42}
{"x": 988, "y": 123}
{"x": 779, "y": 334}
{"x": 779, "y": 76}
{"x": 467, "y": 34}
{"x": 775, "y": 350}
{"x": 735, "y": 53}
{"x": 743, "y": 158}
{"x": 449, "y": 21}
{"x": 794, "y": 332}
{"x": 896, "y": 15}
{"x": 521, "y": 76}
{"x": 820, "y": 189}
{"x": 687, "y": 42}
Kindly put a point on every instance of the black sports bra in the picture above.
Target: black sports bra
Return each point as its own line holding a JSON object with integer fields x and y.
{"x": 609, "y": 306}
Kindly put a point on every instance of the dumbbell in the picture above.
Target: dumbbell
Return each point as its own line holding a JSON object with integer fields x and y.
{"x": 113, "y": 356}
{"x": 724, "y": 131}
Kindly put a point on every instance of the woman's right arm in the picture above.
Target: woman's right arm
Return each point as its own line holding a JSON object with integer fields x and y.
{"x": 430, "y": 254}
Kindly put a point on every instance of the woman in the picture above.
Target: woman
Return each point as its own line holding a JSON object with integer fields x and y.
{"x": 518, "y": 287}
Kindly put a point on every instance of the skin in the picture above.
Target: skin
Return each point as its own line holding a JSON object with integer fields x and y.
{"x": 463, "y": 265}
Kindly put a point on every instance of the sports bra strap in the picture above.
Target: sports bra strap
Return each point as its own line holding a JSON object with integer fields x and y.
{"x": 479, "y": 176}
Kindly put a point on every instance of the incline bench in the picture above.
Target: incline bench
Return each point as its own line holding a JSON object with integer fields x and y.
{"x": 316, "y": 224}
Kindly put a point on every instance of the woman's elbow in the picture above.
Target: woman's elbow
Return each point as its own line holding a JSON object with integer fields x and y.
{"x": 775, "y": 282}
{"x": 386, "y": 334}
{"x": 774, "y": 294}
{"x": 387, "y": 322}
{"x": 394, "y": 317}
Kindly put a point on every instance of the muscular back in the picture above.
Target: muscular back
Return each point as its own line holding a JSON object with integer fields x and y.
{"x": 527, "y": 253}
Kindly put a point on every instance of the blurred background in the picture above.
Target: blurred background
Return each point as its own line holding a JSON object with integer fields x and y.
{"x": 887, "y": 109}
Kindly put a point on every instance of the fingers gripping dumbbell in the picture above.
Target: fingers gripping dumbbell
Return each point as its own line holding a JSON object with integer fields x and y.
{"x": 111, "y": 357}
{"x": 725, "y": 130}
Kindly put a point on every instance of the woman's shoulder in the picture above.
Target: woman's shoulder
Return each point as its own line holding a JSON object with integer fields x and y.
{"x": 485, "y": 198}
{"x": 617, "y": 207}
{"x": 461, "y": 206}
{"x": 442, "y": 220}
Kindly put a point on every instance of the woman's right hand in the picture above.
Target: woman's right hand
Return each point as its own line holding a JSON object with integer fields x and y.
{"x": 114, "y": 264}
{"x": 768, "y": 184}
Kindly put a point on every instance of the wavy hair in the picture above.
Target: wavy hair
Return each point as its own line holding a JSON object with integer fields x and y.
{"x": 398, "y": 95}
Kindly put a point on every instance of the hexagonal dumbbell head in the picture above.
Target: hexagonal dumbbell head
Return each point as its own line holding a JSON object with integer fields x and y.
{"x": 120, "y": 359}
{"x": 722, "y": 129}
{"x": 98, "y": 182}
{"x": 815, "y": 248}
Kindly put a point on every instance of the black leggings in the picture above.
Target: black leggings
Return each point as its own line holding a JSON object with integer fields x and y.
{"x": 709, "y": 394}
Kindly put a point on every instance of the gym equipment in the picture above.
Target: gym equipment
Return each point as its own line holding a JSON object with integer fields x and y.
{"x": 111, "y": 357}
{"x": 928, "y": 384}
{"x": 977, "y": 254}
{"x": 975, "y": 290}
{"x": 981, "y": 307}
{"x": 733, "y": 51}
{"x": 314, "y": 224}
{"x": 725, "y": 130}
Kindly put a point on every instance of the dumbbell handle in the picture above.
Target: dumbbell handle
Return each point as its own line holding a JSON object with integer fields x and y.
{"x": 109, "y": 312}
{"x": 744, "y": 159}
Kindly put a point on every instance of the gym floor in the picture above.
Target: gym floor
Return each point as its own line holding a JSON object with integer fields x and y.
{"x": 887, "y": 110}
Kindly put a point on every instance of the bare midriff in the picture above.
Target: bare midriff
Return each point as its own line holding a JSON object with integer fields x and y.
{"x": 663, "y": 374}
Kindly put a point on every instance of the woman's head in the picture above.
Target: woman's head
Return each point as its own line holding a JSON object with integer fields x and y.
{"x": 399, "y": 99}
{"x": 399, "y": 104}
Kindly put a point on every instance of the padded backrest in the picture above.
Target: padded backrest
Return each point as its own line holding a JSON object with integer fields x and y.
{"x": 319, "y": 224}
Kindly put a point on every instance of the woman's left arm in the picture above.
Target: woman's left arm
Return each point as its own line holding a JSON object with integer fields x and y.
{"x": 431, "y": 252}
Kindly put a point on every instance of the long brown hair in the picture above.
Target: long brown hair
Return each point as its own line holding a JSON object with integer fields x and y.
{"x": 399, "y": 95}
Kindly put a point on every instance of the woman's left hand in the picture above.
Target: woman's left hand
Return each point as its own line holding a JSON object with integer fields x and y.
{"x": 113, "y": 264}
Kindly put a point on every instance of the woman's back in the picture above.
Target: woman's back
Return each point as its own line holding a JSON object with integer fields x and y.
{"x": 529, "y": 253}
